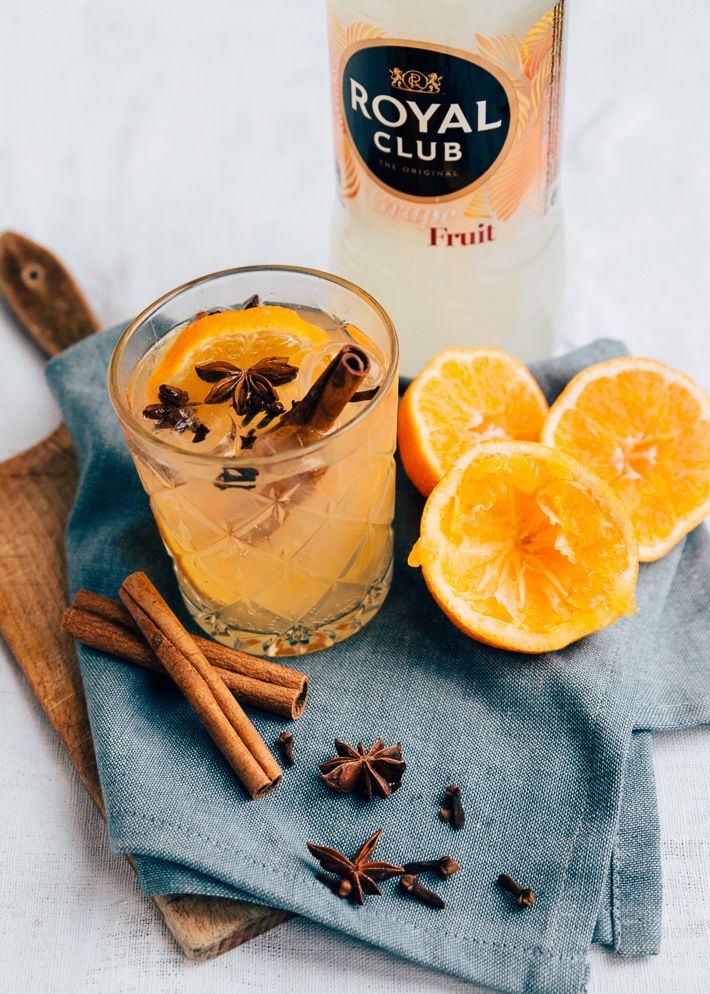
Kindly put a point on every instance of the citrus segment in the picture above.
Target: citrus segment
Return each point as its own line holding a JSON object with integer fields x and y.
{"x": 644, "y": 428}
{"x": 462, "y": 397}
{"x": 239, "y": 336}
{"x": 525, "y": 549}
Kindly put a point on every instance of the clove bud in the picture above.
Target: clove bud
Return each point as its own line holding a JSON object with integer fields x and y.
{"x": 285, "y": 744}
{"x": 445, "y": 866}
{"x": 452, "y": 803}
{"x": 343, "y": 888}
{"x": 409, "y": 884}
{"x": 523, "y": 895}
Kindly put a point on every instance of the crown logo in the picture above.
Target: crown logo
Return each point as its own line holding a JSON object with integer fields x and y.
{"x": 414, "y": 81}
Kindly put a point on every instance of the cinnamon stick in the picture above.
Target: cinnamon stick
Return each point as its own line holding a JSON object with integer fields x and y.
{"x": 106, "y": 625}
{"x": 308, "y": 420}
{"x": 128, "y": 645}
{"x": 321, "y": 407}
{"x": 222, "y": 715}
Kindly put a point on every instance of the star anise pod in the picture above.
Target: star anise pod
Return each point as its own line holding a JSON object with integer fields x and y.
{"x": 358, "y": 875}
{"x": 377, "y": 771}
{"x": 175, "y": 411}
{"x": 251, "y": 390}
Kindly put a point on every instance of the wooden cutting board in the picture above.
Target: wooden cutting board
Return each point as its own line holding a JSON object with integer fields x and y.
{"x": 37, "y": 490}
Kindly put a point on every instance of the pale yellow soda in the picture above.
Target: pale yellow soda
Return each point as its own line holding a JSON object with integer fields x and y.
{"x": 277, "y": 551}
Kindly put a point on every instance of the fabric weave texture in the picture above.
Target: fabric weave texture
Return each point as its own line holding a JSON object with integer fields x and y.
{"x": 553, "y": 753}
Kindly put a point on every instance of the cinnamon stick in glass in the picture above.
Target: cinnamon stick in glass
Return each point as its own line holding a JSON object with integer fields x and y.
{"x": 106, "y": 625}
{"x": 331, "y": 392}
{"x": 314, "y": 415}
{"x": 308, "y": 420}
{"x": 204, "y": 689}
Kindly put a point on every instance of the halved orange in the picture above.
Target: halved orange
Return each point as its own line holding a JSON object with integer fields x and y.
{"x": 241, "y": 336}
{"x": 644, "y": 428}
{"x": 524, "y": 548}
{"x": 462, "y": 397}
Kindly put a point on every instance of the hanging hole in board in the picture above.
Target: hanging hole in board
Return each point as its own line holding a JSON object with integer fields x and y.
{"x": 32, "y": 274}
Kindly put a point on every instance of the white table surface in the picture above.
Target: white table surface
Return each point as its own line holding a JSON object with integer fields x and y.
{"x": 147, "y": 143}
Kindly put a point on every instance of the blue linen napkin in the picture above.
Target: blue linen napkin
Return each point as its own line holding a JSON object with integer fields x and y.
{"x": 558, "y": 787}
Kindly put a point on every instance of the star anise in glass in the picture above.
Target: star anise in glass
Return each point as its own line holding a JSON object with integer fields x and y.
{"x": 377, "y": 771}
{"x": 251, "y": 391}
{"x": 175, "y": 411}
{"x": 358, "y": 876}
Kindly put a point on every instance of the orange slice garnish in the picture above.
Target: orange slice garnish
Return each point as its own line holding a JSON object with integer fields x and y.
{"x": 462, "y": 397}
{"x": 524, "y": 548}
{"x": 239, "y": 336}
{"x": 644, "y": 428}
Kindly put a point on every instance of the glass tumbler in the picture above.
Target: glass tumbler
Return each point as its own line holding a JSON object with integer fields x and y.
{"x": 280, "y": 553}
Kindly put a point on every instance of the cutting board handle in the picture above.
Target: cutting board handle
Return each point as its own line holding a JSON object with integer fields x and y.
{"x": 43, "y": 294}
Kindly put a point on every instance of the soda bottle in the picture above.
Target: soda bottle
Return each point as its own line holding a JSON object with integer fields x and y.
{"x": 447, "y": 138}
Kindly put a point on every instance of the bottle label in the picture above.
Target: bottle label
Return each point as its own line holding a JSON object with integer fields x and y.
{"x": 425, "y": 123}
{"x": 459, "y": 143}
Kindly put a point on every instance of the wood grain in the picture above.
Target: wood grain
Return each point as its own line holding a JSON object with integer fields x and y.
{"x": 37, "y": 490}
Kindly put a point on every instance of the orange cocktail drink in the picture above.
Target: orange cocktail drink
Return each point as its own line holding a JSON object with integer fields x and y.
{"x": 260, "y": 409}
